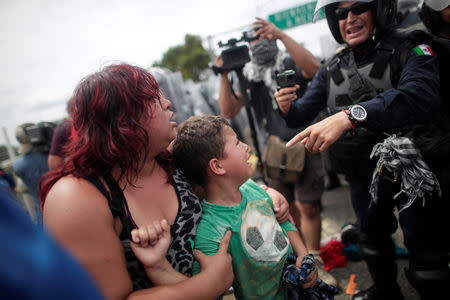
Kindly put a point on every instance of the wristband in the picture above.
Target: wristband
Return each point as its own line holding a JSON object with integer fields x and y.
{"x": 353, "y": 124}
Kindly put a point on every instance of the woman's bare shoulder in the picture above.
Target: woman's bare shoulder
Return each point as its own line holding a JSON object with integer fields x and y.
{"x": 78, "y": 215}
{"x": 72, "y": 200}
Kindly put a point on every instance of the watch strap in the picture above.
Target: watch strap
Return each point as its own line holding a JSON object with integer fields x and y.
{"x": 350, "y": 118}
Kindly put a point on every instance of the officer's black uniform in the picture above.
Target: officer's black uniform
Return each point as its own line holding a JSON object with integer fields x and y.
{"x": 394, "y": 96}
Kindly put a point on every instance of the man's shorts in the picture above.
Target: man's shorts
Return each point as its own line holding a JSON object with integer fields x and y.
{"x": 310, "y": 186}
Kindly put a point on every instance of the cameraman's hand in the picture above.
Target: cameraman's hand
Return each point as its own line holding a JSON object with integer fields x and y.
{"x": 219, "y": 61}
{"x": 268, "y": 31}
{"x": 285, "y": 96}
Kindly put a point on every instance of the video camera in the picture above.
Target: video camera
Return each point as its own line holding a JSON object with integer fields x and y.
{"x": 234, "y": 56}
{"x": 40, "y": 135}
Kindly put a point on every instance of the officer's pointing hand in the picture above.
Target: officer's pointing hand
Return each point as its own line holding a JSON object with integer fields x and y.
{"x": 318, "y": 137}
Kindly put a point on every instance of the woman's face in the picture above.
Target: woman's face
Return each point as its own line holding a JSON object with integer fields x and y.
{"x": 445, "y": 14}
{"x": 159, "y": 125}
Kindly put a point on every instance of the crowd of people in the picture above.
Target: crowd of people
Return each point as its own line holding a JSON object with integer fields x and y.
{"x": 135, "y": 205}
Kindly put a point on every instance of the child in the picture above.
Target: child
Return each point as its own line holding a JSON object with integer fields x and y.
{"x": 209, "y": 152}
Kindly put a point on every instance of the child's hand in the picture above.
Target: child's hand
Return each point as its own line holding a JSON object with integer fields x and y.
{"x": 312, "y": 277}
{"x": 280, "y": 206}
{"x": 150, "y": 243}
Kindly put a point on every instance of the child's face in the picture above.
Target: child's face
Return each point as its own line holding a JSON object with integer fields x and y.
{"x": 236, "y": 158}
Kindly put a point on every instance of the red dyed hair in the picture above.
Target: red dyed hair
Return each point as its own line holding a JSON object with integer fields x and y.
{"x": 107, "y": 108}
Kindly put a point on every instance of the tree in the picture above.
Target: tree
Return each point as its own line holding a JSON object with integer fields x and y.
{"x": 190, "y": 59}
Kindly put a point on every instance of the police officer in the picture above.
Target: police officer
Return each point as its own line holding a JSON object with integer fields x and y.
{"x": 369, "y": 92}
{"x": 435, "y": 15}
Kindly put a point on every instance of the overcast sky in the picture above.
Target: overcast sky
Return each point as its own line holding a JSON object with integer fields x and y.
{"x": 47, "y": 46}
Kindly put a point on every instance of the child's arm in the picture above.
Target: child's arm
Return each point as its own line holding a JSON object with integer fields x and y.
{"x": 299, "y": 248}
{"x": 297, "y": 244}
{"x": 150, "y": 244}
{"x": 280, "y": 205}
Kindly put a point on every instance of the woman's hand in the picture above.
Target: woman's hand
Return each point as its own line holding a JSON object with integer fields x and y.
{"x": 280, "y": 206}
{"x": 150, "y": 243}
{"x": 219, "y": 265}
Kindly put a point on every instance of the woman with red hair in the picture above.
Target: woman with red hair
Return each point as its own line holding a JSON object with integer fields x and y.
{"x": 119, "y": 177}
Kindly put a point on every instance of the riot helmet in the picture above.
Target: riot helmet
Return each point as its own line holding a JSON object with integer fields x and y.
{"x": 383, "y": 13}
{"x": 430, "y": 14}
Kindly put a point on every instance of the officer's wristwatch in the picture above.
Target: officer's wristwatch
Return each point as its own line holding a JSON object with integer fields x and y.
{"x": 357, "y": 114}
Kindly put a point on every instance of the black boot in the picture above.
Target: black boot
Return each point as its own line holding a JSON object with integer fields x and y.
{"x": 333, "y": 181}
{"x": 366, "y": 294}
{"x": 379, "y": 255}
{"x": 429, "y": 274}
{"x": 372, "y": 293}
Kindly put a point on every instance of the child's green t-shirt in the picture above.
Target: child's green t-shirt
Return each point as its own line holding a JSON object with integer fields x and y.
{"x": 258, "y": 245}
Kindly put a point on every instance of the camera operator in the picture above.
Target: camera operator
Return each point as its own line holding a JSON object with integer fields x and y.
{"x": 266, "y": 61}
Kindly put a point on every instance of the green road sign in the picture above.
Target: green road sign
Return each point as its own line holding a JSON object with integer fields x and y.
{"x": 295, "y": 16}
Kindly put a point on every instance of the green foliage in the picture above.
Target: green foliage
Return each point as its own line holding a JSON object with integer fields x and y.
{"x": 190, "y": 59}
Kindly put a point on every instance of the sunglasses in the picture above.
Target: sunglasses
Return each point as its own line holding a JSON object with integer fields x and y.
{"x": 357, "y": 9}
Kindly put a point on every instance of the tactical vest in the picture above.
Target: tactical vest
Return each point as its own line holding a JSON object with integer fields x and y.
{"x": 349, "y": 86}
{"x": 350, "y": 83}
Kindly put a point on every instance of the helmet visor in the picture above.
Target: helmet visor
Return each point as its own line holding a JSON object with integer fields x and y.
{"x": 322, "y": 3}
{"x": 437, "y": 5}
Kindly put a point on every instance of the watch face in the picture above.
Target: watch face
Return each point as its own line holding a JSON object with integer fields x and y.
{"x": 358, "y": 112}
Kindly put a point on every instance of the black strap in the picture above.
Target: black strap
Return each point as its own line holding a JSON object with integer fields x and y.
{"x": 121, "y": 203}
{"x": 360, "y": 87}
{"x": 335, "y": 71}
{"x": 99, "y": 185}
{"x": 283, "y": 166}
{"x": 381, "y": 62}
{"x": 385, "y": 52}
{"x": 116, "y": 201}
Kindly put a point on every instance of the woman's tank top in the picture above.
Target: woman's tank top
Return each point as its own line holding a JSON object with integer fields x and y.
{"x": 181, "y": 250}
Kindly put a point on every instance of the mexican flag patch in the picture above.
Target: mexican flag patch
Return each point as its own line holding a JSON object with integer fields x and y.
{"x": 423, "y": 50}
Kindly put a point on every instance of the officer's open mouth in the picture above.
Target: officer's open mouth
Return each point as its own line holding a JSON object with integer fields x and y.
{"x": 354, "y": 29}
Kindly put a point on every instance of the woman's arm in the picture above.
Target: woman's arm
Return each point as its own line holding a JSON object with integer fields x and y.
{"x": 78, "y": 215}
{"x": 230, "y": 104}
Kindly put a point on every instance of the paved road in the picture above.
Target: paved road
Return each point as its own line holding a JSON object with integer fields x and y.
{"x": 337, "y": 211}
